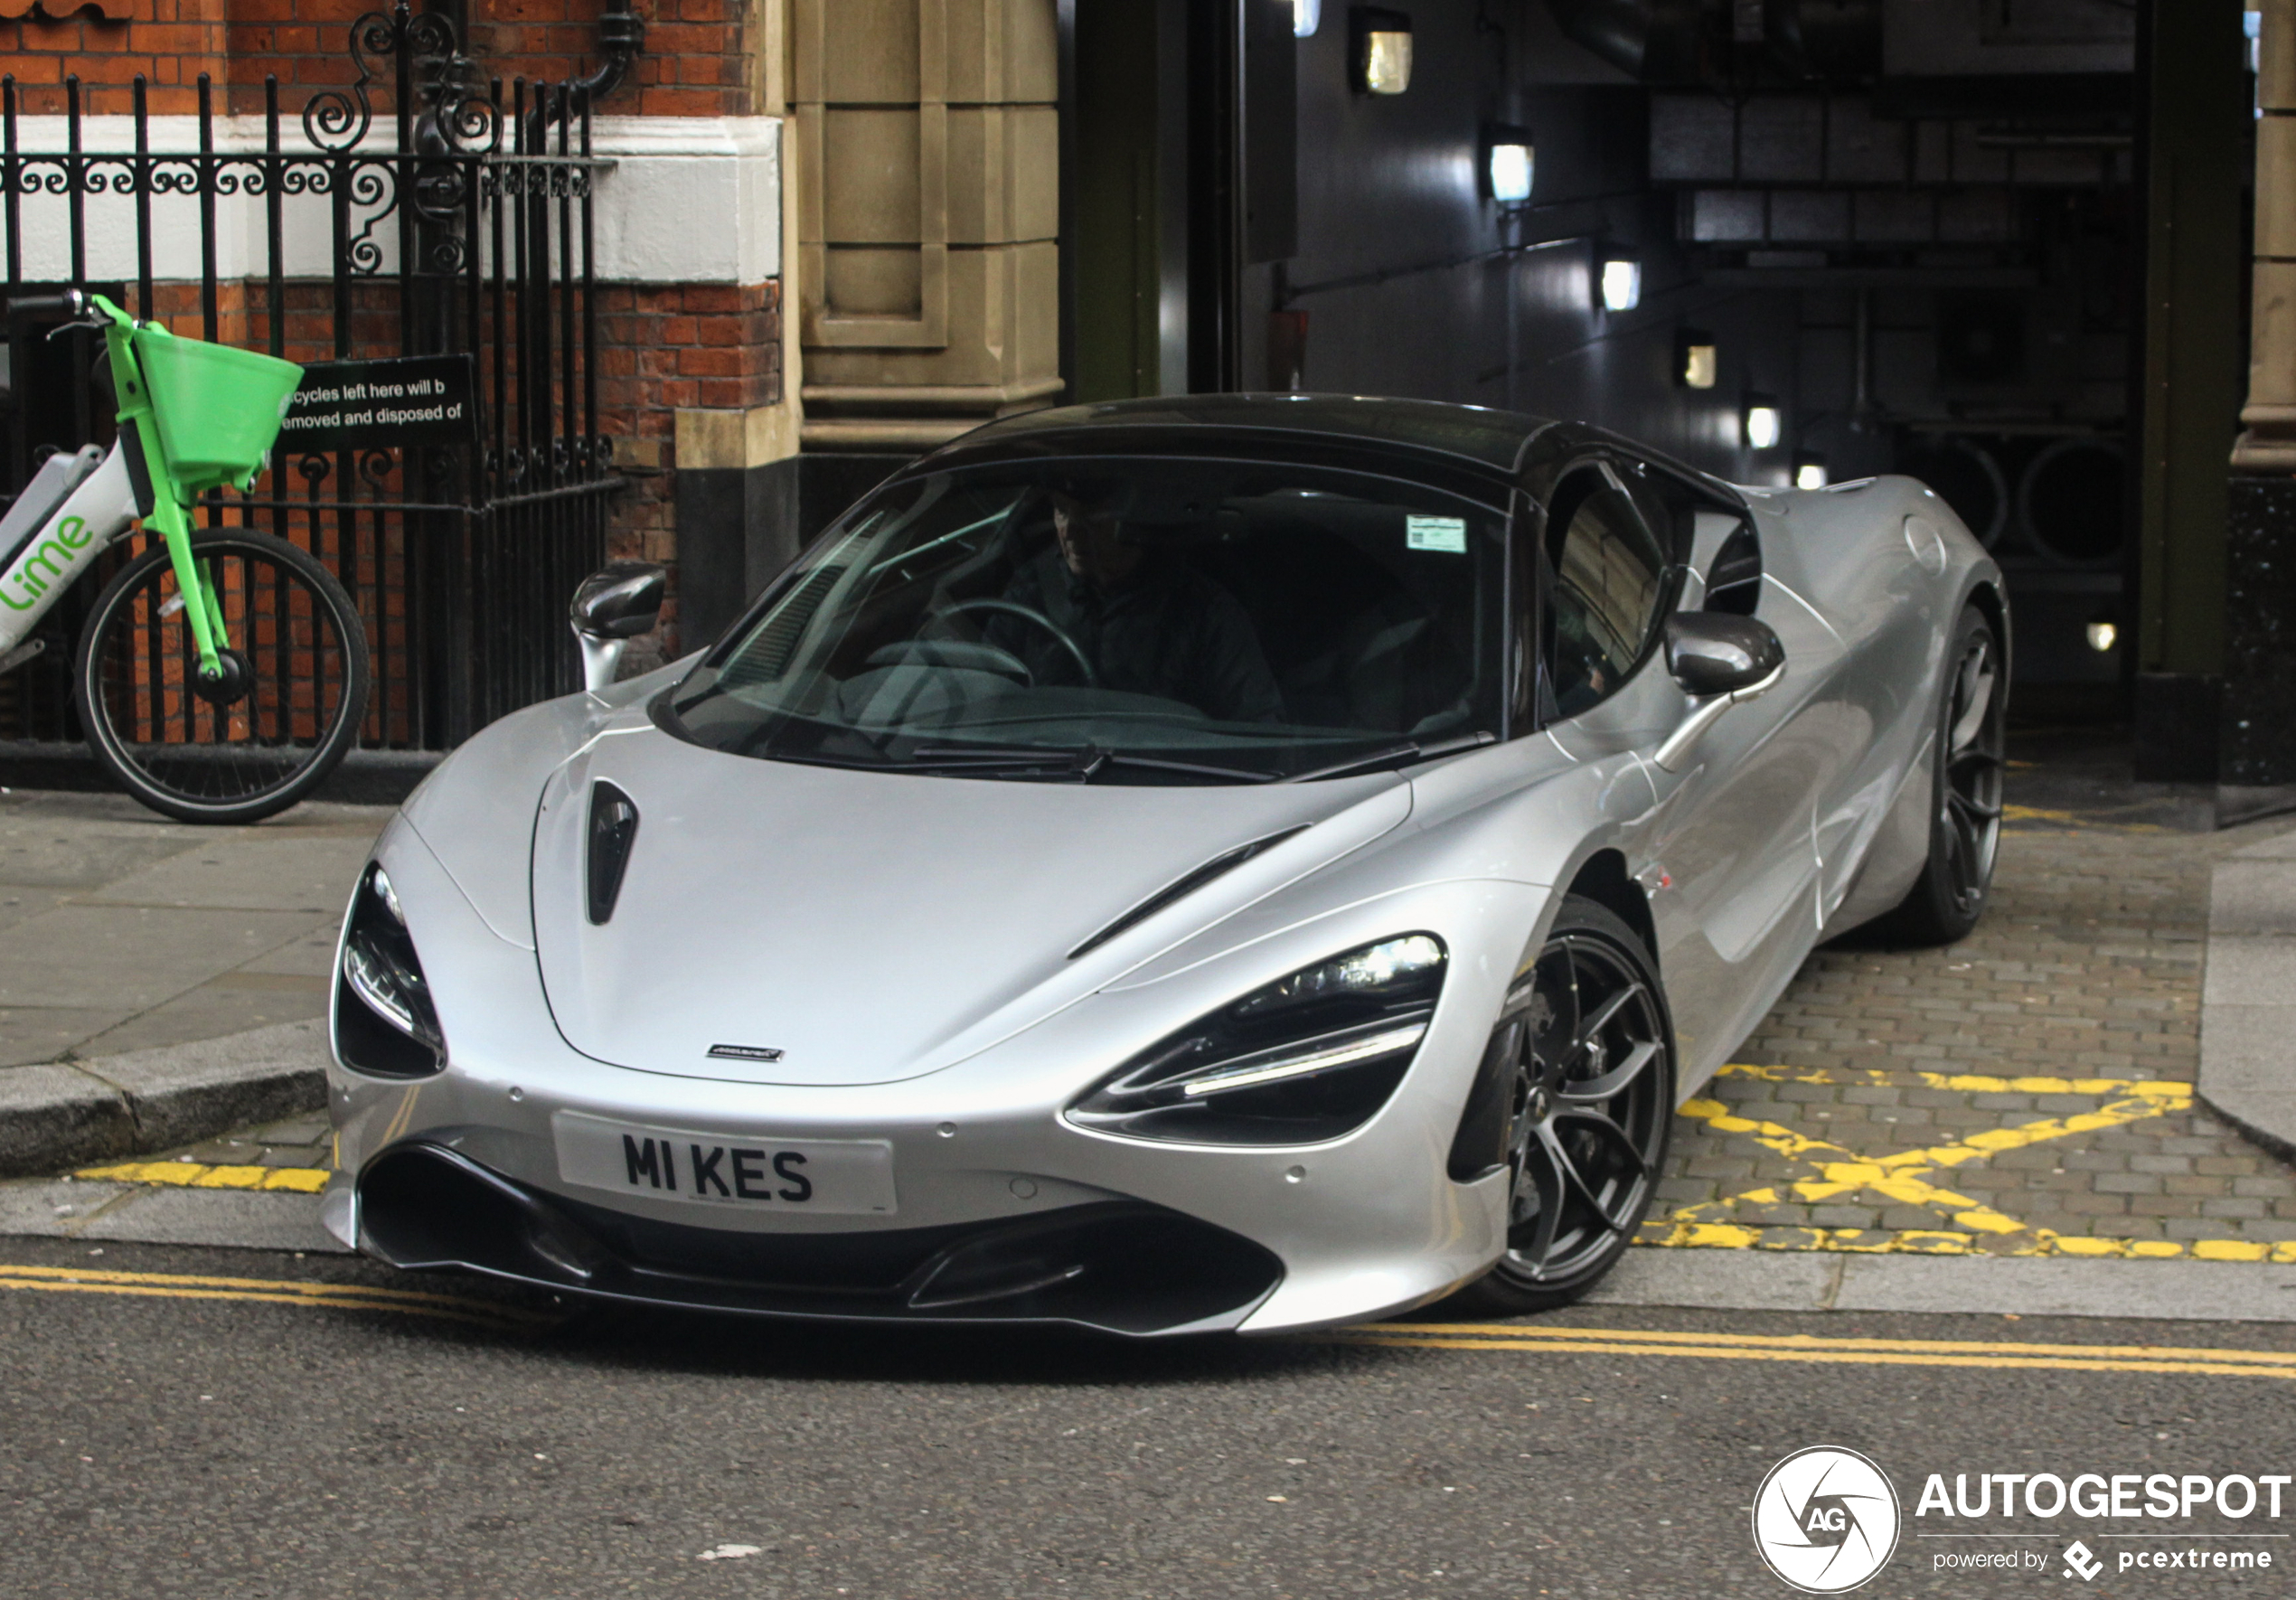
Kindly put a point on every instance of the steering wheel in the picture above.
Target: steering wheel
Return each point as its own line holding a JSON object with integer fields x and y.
{"x": 1038, "y": 618}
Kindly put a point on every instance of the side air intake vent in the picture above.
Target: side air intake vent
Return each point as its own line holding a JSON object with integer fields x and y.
{"x": 1180, "y": 888}
{"x": 614, "y": 827}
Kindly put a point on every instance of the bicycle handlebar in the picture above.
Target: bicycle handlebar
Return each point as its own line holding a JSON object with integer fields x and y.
{"x": 72, "y": 304}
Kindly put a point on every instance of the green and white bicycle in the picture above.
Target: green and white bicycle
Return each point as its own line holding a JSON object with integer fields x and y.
{"x": 221, "y": 673}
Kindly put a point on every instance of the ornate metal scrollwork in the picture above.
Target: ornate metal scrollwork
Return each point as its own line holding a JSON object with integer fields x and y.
{"x": 373, "y": 183}
{"x": 448, "y": 85}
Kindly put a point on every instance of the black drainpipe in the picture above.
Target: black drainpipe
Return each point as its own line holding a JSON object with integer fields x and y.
{"x": 621, "y": 38}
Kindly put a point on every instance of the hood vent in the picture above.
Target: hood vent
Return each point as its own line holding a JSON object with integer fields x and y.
{"x": 1180, "y": 888}
{"x": 614, "y": 828}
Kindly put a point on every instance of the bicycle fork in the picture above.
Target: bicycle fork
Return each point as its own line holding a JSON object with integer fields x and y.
{"x": 202, "y": 609}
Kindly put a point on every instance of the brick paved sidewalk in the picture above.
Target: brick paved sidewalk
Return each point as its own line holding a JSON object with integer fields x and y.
{"x": 2027, "y": 1091}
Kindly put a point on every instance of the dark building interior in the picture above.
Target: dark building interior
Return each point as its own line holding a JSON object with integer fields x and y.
{"x": 1837, "y": 238}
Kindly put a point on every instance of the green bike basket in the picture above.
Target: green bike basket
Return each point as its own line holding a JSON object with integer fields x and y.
{"x": 218, "y": 408}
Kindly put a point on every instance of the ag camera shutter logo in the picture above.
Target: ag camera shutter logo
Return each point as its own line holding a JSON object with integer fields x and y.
{"x": 1825, "y": 1521}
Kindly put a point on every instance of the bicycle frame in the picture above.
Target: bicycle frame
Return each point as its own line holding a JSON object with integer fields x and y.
{"x": 77, "y": 506}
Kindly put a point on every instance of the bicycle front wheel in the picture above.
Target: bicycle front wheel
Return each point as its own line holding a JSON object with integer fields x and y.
{"x": 290, "y": 702}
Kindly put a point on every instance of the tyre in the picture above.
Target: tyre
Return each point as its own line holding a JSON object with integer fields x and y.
{"x": 292, "y": 697}
{"x": 1950, "y": 896}
{"x": 1585, "y": 1064}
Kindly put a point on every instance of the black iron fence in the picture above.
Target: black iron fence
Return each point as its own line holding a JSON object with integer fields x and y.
{"x": 420, "y": 211}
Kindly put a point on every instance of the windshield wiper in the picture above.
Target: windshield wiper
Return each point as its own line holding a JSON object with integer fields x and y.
{"x": 1409, "y": 749}
{"x": 1084, "y": 761}
{"x": 1159, "y": 764}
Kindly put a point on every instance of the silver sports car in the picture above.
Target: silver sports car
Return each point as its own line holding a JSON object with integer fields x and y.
{"x": 1192, "y": 864}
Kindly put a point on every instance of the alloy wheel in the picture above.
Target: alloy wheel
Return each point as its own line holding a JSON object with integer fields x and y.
{"x": 1970, "y": 796}
{"x": 1592, "y": 1076}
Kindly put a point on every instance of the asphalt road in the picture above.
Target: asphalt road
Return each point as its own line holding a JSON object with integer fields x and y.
{"x": 169, "y": 1434}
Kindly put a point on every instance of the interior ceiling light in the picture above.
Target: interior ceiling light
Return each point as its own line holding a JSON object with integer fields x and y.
{"x": 1307, "y": 16}
{"x": 2103, "y": 635}
{"x": 1621, "y": 283}
{"x": 1509, "y": 160}
{"x": 1810, "y": 472}
{"x": 1765, "y": 426}
{"x": 1382, "y": 50}
{"x": 1695, "y": 361}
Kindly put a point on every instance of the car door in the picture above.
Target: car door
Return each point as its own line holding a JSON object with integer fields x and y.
{"x": 1725, "y": 853}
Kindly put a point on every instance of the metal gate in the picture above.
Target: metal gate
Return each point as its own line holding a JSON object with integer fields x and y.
{"x": 422, "y": 210}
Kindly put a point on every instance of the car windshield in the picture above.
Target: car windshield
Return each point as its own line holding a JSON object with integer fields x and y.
{"x": 1121, "y": 620}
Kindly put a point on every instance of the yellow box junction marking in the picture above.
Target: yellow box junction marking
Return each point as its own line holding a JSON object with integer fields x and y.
{"x": 2073, "y": 819}
{"x": 164, "y": 1286}
{"x": 1907, "y": 1177}
{"x": 191, "y": 1174}
{"x": 1543, "y": 1339}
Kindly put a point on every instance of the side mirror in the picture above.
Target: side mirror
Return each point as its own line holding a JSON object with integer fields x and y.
{"x": 1720, "y": 661}
{"x": 614, "y": 605}
{"x": 1714, "y": 653}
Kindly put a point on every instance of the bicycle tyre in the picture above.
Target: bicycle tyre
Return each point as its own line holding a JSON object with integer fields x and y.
{"x": 302, "y": 652}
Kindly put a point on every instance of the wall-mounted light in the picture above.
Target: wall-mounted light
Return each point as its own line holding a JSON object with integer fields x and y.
{"x": 1695, "y": 364}
{"x": 1764, "y": 423}
{"x": 2103, "y": 634}
{"x": 1621, "y": 281}
{"x": 1810, "y": 472}
{"x": 1508, "y": 162}
{"x": 1382, "y": 50}
{"x": 1307, "y": 16}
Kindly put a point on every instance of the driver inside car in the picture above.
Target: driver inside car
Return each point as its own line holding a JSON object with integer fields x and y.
{"x": 1147, "y": 623}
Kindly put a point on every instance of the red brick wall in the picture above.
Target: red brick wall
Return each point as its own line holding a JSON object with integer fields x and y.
{"x": 169, "y": 42}
{"x": 660, "y": 349}
{"x": 696, "y": 62}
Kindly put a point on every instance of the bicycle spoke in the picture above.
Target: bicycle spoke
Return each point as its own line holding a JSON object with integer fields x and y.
{"x": 290, "y": 695}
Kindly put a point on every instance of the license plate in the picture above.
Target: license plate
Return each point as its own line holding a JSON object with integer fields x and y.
{"x": 754, "y": 1171}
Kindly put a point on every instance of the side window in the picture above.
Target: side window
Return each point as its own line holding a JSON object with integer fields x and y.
{"x": 1668, "y": 507}
{"x": 1606, "y": 577}
{"x": 1734, "y": 578}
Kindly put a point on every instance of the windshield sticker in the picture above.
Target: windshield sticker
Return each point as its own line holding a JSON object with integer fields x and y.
{"x": 1447, "y": 534}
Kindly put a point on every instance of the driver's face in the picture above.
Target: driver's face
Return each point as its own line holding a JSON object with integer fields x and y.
{"x": 1089, "y": 545}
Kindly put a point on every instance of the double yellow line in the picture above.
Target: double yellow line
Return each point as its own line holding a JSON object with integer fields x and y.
{"x": 1522, "y": 1338}
{"x": 1519, "y": 1338}
{"x": 317, "y": 1296}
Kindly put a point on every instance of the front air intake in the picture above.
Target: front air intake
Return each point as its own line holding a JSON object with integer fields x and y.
{"x": 1120, "y": 1267}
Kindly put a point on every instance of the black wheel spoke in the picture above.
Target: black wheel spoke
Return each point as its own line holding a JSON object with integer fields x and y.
{"x": 1604, "y": 1015}
{"x": 1970, "y": 808}
{"x": 1616, "y": 1138}
{"x": 1615, "y": 1082}
{"x": 1548, "y": 1185}
{"x": 1574, "y": 1182}
{"x": 1554, "y": 1030}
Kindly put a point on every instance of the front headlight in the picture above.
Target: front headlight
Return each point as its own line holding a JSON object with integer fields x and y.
{"x": 1309, "y": 1057}
{"x": 384, "y": 1021}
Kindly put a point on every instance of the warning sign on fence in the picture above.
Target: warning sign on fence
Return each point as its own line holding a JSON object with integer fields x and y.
{"x": 368, "y": 405}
